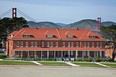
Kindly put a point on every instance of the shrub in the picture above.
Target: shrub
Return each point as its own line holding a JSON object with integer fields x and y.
{"x": 2, "y": 56}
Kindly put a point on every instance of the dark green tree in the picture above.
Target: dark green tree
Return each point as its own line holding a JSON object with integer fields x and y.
{"x": 109, "y": 32}
{"x": 8, "y": 25}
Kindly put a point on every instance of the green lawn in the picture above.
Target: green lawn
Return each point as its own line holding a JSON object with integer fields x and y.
{"x": 113, "y": 65}
{"x": 87, "y": 64}
{"x": 53, "y": 63}
{"x": 15, "y": 62}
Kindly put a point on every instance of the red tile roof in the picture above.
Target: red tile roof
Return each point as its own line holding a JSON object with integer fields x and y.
{"x": 60, "y": 34}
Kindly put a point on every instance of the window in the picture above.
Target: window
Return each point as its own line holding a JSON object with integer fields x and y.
{"x": 17, "y": 44}
{"x": 26, "y": 44}
{"x": 35, "y": 44}
{"x": 63, "y": 44}
{"x": 93, "y": 36}
{"x": 27, "y": 35}
{"x": 68, "y": 44}
{"x": 49, "y": 36}
{"x": 71, "y": 44}
{"x": 21, "y": 44}
{"x": 70, "y": 36}
{"x": 56, "y": 44}
{"x": 77, "y": 44}
{"x": 42, "y": 44}
{"x": 92, "y": 44}
{"x": 48, "y": 44}
{"x": 100, "y": 44}
{"x": 97, "y": 44}
{"x": 32, "y": 44}
{"x": 85, "y": 44}
{"x": 51, "y": 44}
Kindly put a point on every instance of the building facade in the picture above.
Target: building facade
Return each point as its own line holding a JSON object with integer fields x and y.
{"x": 44, "y": 43}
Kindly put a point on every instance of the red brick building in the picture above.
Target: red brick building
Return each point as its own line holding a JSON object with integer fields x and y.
{"x": 43, "y": 43}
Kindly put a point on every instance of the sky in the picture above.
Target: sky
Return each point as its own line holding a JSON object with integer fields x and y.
{"x": 62, "y": 11}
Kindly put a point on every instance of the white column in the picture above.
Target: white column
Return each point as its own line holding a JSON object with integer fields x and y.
{"x": 41, "y": 55}
{"x": 88, "y": 53}
{"x": 21, "y": 54}
{"x": 47, "y": 54}
{"x": 83, "y": 54}
{"x": 35, "y": 54}
{"x": 100, "y": 54}
{"x": 69, "y": 54}
{"x": 61, "y": 54}
{"x": 76, "y": 54}
{"x": 54, "y": 54}
{"x": 28, "y": 54}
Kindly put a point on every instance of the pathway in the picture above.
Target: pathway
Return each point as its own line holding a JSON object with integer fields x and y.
{"x": 36, "y": 62}
{"x": 71, "y": 64}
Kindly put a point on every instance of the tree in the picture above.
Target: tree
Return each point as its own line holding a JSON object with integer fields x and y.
{"x": 8, "y": 25}
{"x": 109, "y": 32}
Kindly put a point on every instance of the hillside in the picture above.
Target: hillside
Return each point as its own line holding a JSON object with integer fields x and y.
{"x": 82, "y": 24}
{"x": 86, "y": 24}
{"x": 43, "y": 25}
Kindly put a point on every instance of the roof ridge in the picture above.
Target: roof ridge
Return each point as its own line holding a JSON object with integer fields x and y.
{"x": 18, "y": 32}
{"x": 58, "y": 33}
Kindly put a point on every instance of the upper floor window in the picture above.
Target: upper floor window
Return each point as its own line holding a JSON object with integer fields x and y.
{"x": 17, "y": 44}
{"x": 97, "y": 44}
{"x": 77, "y": 44}
{"x": 63, "y": 44}
{"x": 72, "y": 44}
{"x": 100, "y": 44}
{"x": 85, "y": 44}
{"x": 32, "y": 44}
{"x": 26, "y": 44}
{"x": 68, "y": 44}
{"x": 42, "y": 44}
{"x": 35, "y": 44}
{"x": 51, "y": 44}
{"x": 56, "y": 44}
{"x": 48, "y": 44}
{"x": 21, "y": 44}
{"x": 93, "y": 44}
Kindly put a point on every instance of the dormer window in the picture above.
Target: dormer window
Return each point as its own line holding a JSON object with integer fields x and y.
{"x": 50, "y": 36}
{"x": 93, "y": 36}
{"x": 70, "y": 36}
{"x": 27, "y": 35}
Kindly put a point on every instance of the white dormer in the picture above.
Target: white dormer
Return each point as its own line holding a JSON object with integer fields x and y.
{"x": 70, "y": 36}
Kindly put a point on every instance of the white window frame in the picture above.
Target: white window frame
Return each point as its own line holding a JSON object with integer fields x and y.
{"x": 63, "y": 43}
{"x": 48, "y": 44}
{"x": 93, "y": 44}
{"x": 32, "y": 44}
{"x": 21, "y": 44}
{"x": 42, "y": 44}
{"x": 17, "y": 44}
{"x": 26, "y": 44}
{"x": 72, "y": 44}
{"x": 85, "y": 44}
{"x": 56, "y": 44}
{"x": 100, "y": 44}
{"x": 69, "y": 44}
{"x": 35, "y": 44}
{"x": 51, "y": 44}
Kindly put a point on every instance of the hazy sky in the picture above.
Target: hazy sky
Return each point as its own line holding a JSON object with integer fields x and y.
{"x": 64, "y": 11}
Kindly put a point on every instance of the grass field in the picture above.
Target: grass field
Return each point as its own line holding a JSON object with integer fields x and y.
{"x": 10, "y": 62}
{"x": 53, "y": 63}
{"x": 87, "y": 64}
{"x": 113, "y": 65}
